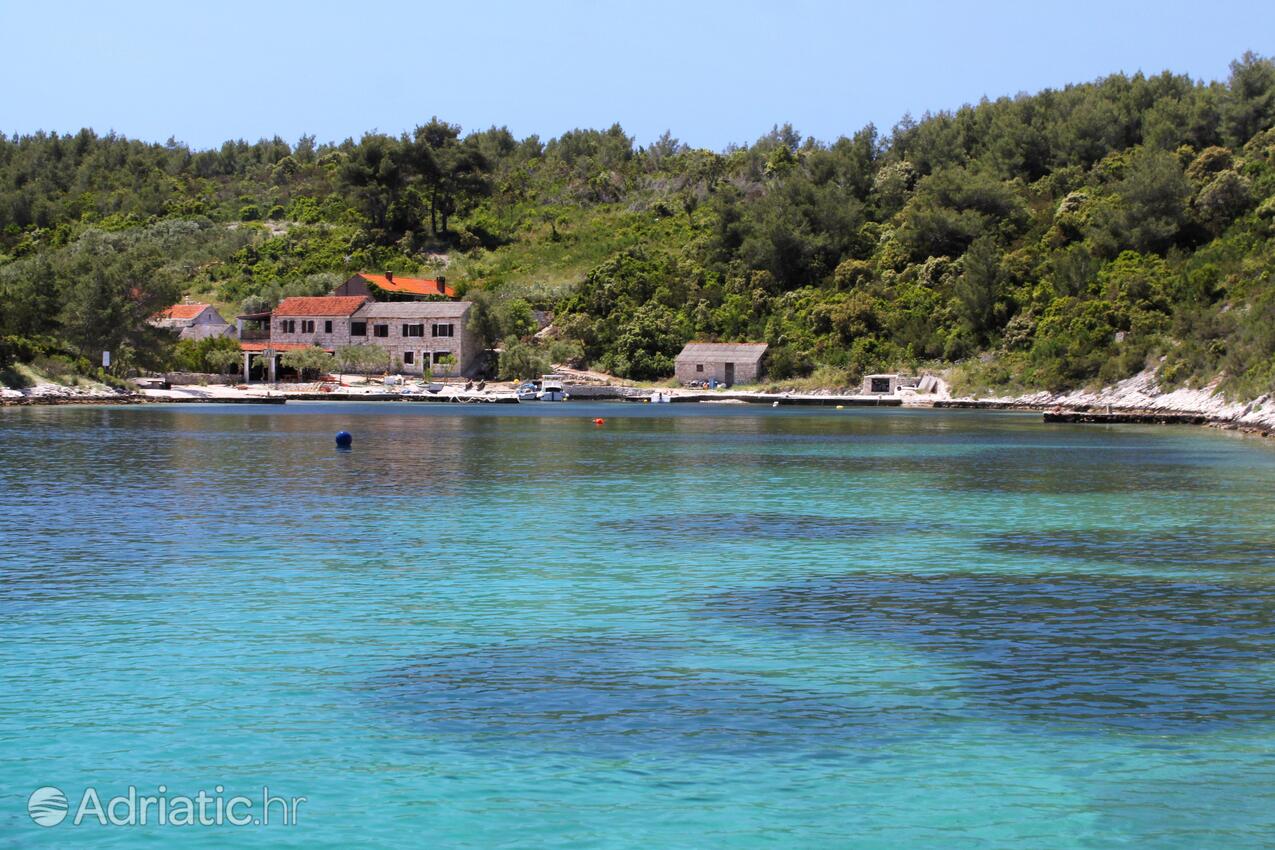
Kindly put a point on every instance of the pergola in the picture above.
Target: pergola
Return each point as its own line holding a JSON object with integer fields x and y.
{"x": 270, "y": 351}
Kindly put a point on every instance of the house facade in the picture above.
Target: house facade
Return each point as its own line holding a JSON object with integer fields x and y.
{"x": 726, "y": 363}
{"x": 324, "y": 321}
{"x": 298, "y": 322}
{"x": 415, "y": 335}
{"x": 418, "y": 334}
{"x": 193, "y": 321}
{"x": 391, "y": 287}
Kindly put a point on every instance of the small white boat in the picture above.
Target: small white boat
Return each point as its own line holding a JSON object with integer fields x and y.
{"x": 551, "y": 390}
{"x": 527, "y": 391}
{"x": 660, "y": 397}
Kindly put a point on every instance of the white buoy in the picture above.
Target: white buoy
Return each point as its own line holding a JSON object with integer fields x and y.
{"x": 774, "y": 404}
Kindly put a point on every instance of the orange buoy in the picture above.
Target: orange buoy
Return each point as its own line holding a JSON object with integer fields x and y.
{"x": 599, "y": 421}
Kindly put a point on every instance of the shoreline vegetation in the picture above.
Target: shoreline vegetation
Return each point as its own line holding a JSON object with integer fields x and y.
{"x": 1028, "y": 247}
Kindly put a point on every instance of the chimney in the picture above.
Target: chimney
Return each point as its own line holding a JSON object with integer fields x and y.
{"x": 389, "y": 277}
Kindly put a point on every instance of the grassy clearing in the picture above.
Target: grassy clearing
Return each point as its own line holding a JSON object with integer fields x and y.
{"x": 547, "y": 260}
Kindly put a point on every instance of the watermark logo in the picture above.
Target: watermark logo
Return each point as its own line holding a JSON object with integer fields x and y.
{"x": 47, "y": 806}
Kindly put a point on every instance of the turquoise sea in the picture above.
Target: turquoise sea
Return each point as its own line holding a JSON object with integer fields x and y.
{"x": 693, "y": 626}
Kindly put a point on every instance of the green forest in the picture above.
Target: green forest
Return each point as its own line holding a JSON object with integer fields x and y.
{"x": 1059, "y": 239}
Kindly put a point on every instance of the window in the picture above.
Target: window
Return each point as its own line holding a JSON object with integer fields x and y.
{"x": 409, "y": 357}
{"x": 380, "y": 330}
{"x": 358, "y": 328}
{"x": 327, "y": 326}
{"x": 439, "y": 355}
{"x": 287, "y": 326}
{"x": 413, "y": 330}
{"x": 443, "y": 330}
{"x": 307, "y": 326}
{"x": 699, "y": 367}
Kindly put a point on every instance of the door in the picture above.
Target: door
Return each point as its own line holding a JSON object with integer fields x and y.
{"x": 730, "y": 374}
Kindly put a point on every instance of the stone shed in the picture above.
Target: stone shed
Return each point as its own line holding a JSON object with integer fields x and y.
{"x": 729, "y": 363}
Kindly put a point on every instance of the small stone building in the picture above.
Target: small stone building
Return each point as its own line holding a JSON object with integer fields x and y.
{"x": 893, "y": 384}
{"x": 193, "y": 321}
{"x": 729, "y": 363}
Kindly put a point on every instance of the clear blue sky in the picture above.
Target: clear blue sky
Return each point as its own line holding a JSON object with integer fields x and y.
{"x": 711, "y": 72}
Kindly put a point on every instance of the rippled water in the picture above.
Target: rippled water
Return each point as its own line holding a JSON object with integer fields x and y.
{"x": 691, "y": 627}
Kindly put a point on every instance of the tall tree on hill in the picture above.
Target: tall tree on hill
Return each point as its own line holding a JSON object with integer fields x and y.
{"x": 978, "y": 287}
{"x": 453, "y": 171}
{"x": 1250, "y": 106}
{"x": 109, "y": 289}
{"x": 375, "y": 173}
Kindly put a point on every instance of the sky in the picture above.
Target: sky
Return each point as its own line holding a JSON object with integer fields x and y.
{"x": 713, "y": 73}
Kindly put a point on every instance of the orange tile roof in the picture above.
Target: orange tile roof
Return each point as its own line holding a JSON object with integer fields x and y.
{"x": 181, "y": 311}
{"x": 322, "y": 305}
{"x": 255, "y": 347}
{"x": 409, "y": 285}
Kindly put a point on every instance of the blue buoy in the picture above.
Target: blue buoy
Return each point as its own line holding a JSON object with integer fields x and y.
{"x": 344, "y": 440}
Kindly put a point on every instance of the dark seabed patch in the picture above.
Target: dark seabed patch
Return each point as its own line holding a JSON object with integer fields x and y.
{"x": 675, "y": 527}
{"x": 620, "y": 694}
{"x": 1009, "y": 469}
{"x": 1194, "y": 548}
{"x": 1147, "y": 655}
{"x": 1040, "y": 470}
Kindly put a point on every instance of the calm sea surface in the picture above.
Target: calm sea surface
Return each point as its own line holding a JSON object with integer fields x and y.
{"x": 699, "y": 626}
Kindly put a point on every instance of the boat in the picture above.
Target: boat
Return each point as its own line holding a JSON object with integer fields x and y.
{"x": 546, "y": 388}
{"x": 660, "y": 397}
{"x": 551, "y": 389}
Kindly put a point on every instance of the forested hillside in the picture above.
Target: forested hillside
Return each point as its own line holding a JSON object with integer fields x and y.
{"x": 1048, "y": 240}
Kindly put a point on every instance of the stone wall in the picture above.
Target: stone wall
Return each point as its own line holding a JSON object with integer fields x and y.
{"x": 186, "y": 379}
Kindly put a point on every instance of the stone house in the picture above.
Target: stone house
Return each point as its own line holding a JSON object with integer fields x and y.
{"x": 324, "y": 321}
{"x": 728, "y": 363}
{"x": 193, "y": 321}
{"x": 421, "y": 333}
{"x": 413, "y": 333}
{"x": 300, "y": 322}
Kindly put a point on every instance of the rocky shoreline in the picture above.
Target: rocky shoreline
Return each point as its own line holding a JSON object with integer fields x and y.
{"x": 1136, "y": 399}
{"x": 1142, "y": 395}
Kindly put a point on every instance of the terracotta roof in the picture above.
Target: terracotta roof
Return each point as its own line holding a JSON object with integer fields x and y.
{"x": 322, "y": 305}
{"x": 181, "y": 311}
{"x": 409, "y": 285}
{"x": 275, "y": 346}
{"x": 723, "y": 351}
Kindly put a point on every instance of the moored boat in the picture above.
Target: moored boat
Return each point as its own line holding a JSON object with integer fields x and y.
{"x": 551, "y": 389}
